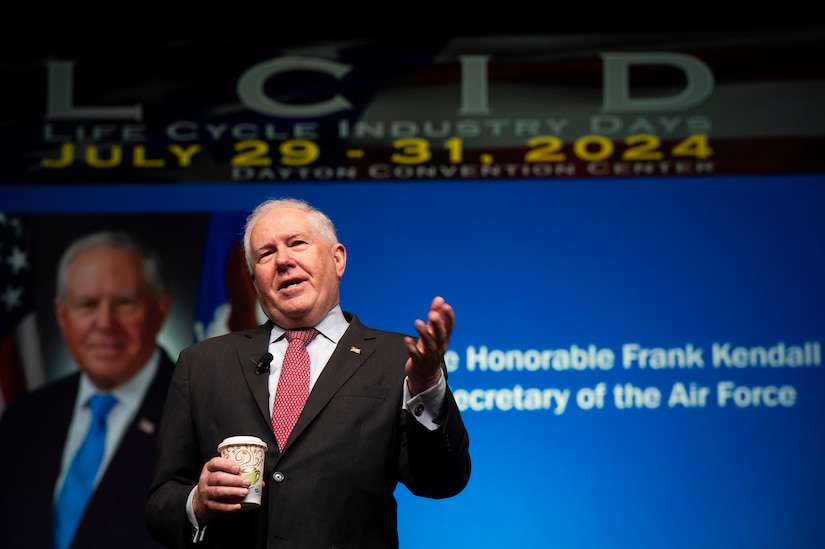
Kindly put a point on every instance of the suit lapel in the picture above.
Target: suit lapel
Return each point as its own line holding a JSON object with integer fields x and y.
{"x": 52, "y": 414}
{"x": 54, "y": 423}
{"x": 254, "y": 345}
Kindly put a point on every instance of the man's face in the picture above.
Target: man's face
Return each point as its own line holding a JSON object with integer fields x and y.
{"x": 295, "y": 273}
{"x": 109, "y": 317}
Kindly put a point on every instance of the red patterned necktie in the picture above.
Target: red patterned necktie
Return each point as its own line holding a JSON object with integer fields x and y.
{"x": 293, "y": 385}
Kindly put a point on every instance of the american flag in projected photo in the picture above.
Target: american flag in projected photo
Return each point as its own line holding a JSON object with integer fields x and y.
{"x": 21, "y": 365}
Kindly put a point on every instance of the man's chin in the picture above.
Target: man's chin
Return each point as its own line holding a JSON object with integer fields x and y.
{"x": 108, "y": 373}
{"x": 293, "y": 305}
{"x": 293, "y": 317}
{"x": 107, "y": 362}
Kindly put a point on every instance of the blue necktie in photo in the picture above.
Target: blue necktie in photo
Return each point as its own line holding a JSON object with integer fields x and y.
{"x": 80, "y": 479}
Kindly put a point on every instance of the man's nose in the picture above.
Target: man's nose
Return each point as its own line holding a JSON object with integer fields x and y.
{"x": 283, "y": 259}
{"x": 105, "y": 315}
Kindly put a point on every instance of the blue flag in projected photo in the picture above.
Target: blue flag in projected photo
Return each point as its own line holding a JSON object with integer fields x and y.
{"x": 226, "y": 299}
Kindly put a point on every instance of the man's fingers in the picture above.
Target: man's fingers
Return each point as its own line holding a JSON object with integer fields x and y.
{"x": 217, "y": 464}
{"x": 434, "y": 335}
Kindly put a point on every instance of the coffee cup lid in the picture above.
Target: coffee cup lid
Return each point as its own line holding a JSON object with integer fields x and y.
{"x": 241, "y": 440}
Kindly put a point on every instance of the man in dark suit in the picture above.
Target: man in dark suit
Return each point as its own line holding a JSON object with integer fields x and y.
{"x": 110, "y": 305}
{"x": 379, "y": 410}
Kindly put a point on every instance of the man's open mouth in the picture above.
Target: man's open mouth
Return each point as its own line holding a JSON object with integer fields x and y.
{"x": 290, "y": 284}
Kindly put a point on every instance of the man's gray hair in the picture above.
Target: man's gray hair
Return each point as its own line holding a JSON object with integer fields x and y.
{"x": 320, "y": 223}
{"x": 112, "y": 239}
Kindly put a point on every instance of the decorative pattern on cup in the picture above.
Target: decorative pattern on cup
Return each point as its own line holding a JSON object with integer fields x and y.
{"x": 252, "y": 473}
{"x": 248, "y": 456}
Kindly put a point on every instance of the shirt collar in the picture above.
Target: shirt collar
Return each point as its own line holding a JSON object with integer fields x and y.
{"x": 332, "y": 326}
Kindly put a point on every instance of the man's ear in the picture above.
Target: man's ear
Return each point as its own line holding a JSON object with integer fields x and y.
{"x": 339, "y": 254}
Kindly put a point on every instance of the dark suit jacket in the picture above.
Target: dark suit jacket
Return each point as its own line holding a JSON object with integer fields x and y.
{"x": 114, "y": 517}
{"x": 333, "y": 484}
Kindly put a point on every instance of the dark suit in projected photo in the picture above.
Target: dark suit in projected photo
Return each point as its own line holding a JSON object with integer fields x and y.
{"x": 110, "y": 305}
{"x": 379, "y": 410}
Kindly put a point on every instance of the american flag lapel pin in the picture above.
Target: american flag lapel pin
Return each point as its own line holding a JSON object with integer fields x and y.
{"x": 146, "y": 426}
{"x": 355, "y": 350}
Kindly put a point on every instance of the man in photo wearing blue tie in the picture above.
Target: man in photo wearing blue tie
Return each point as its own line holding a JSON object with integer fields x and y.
{"x": 78, "y": 453}
{"x": 347, "y": 411}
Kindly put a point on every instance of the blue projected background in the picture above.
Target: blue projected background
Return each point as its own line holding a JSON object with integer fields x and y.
{"x": 639, "y": 360}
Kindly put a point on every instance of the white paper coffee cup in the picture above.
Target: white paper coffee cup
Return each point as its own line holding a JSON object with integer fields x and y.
{"x": 249, "y": 453}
